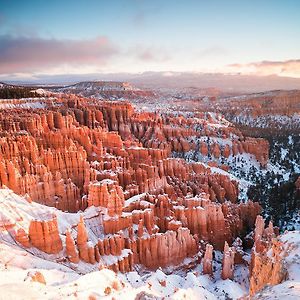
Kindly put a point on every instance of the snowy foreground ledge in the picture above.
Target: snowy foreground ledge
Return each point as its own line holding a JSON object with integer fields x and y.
{"x": 60, "y": 282}
{"x": 26, "y": 275}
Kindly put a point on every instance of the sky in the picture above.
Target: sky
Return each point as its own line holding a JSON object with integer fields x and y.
{"x": 95, "y": 36}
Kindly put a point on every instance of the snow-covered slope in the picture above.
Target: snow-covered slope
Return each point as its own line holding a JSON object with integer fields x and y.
{"x": 66, "y": 280}
{"x": 62, "y": 279}
{"x": 61, "y": 282}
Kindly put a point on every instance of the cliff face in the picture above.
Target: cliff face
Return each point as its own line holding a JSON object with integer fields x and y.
{"x": 56, "y": 155}
{"x": 267, "y": 258}
{"x": 106, "y": 193}
{"x": 153, "y": 208}
{"x": 42, "y": 234}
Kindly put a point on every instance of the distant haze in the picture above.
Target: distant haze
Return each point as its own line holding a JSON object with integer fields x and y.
{"x": 177, "y": 80}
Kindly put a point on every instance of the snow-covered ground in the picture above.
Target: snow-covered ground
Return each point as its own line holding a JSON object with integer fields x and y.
{"x": 62, "y": 282}
{"x": 266, "y": 121}
{"x": 66, "y": 280}
{"x": 105, "y": 284}
{"x": 26, "y": 103}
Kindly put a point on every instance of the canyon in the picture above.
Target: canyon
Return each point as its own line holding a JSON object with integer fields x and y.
{"x": 145, "y": 201}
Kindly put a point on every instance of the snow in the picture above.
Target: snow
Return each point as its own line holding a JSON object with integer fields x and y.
{"x": 284, "y": 153}
{"x": 229, "y": 288}
{"x": 41, "y": 92}
{"x": 67, "y": 280}
{"x": 134, "y": 199}
{"x": 104, "y": 181}
{"x": 217, "y": 140}
{"x": 62, "y": 282}
{"x": 293, "y": 258}
{"x": 264, "y": 121}
{"x": 26, "y": 103}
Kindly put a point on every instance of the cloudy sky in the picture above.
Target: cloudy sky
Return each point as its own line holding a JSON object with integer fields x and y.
{"x": 95, "y": 36}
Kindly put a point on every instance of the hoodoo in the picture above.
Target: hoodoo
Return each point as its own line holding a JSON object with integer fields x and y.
{"x": 96, "y": 185}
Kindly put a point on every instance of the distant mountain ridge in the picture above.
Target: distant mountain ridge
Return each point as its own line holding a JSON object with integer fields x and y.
{"x": 177, "y": 80}
{"x": 99, "y": 85}
{"x": 103, "y": 90}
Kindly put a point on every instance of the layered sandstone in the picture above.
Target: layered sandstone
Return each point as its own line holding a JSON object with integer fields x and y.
{"x": 267, "y": 258}
{"x": 153, "y": 206}
{"x": 208, "y": 260}
{"x": 228, "y": 262}
{"x": 71, "y": 250}
{"x": 44, "y": 235}
{"x": 22, "y": 238}
{"x": 82, "y": 241}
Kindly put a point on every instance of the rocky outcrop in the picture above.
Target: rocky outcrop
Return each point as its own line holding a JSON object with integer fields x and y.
{"x": 163, "y": 249}
{"x": 35, "y": 276}
{"x": 85, "y": 149}
{"x": 82, "y": 241}
{"x": 128, "y": 167}
{"x": 108, "y": 194}
{"x": 44, "y": 235}
{"x": 259, "y": 148}
{"x": 208, "y": 260}
{"x": 217, "y": 223}
{"x": 228, "y": 262}
{"x": 22, "y": 238}
{"x": 267, "y": 258}
{"x": 71, "y": 250}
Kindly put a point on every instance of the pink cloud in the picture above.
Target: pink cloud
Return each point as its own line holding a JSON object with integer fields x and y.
{"x": 26, "y": 54}
{"x": 285, "y": 68}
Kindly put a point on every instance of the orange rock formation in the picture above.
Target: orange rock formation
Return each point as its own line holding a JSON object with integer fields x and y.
{"x": 208, "y": 260}
{"x": 267, "y": 258}
{"x": 154, "y": 208}
{"x": 44, "y": 235}
{"x": 228, "y": 262}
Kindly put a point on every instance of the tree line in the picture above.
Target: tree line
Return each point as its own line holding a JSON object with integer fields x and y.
{"x": 17, "y": 92}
